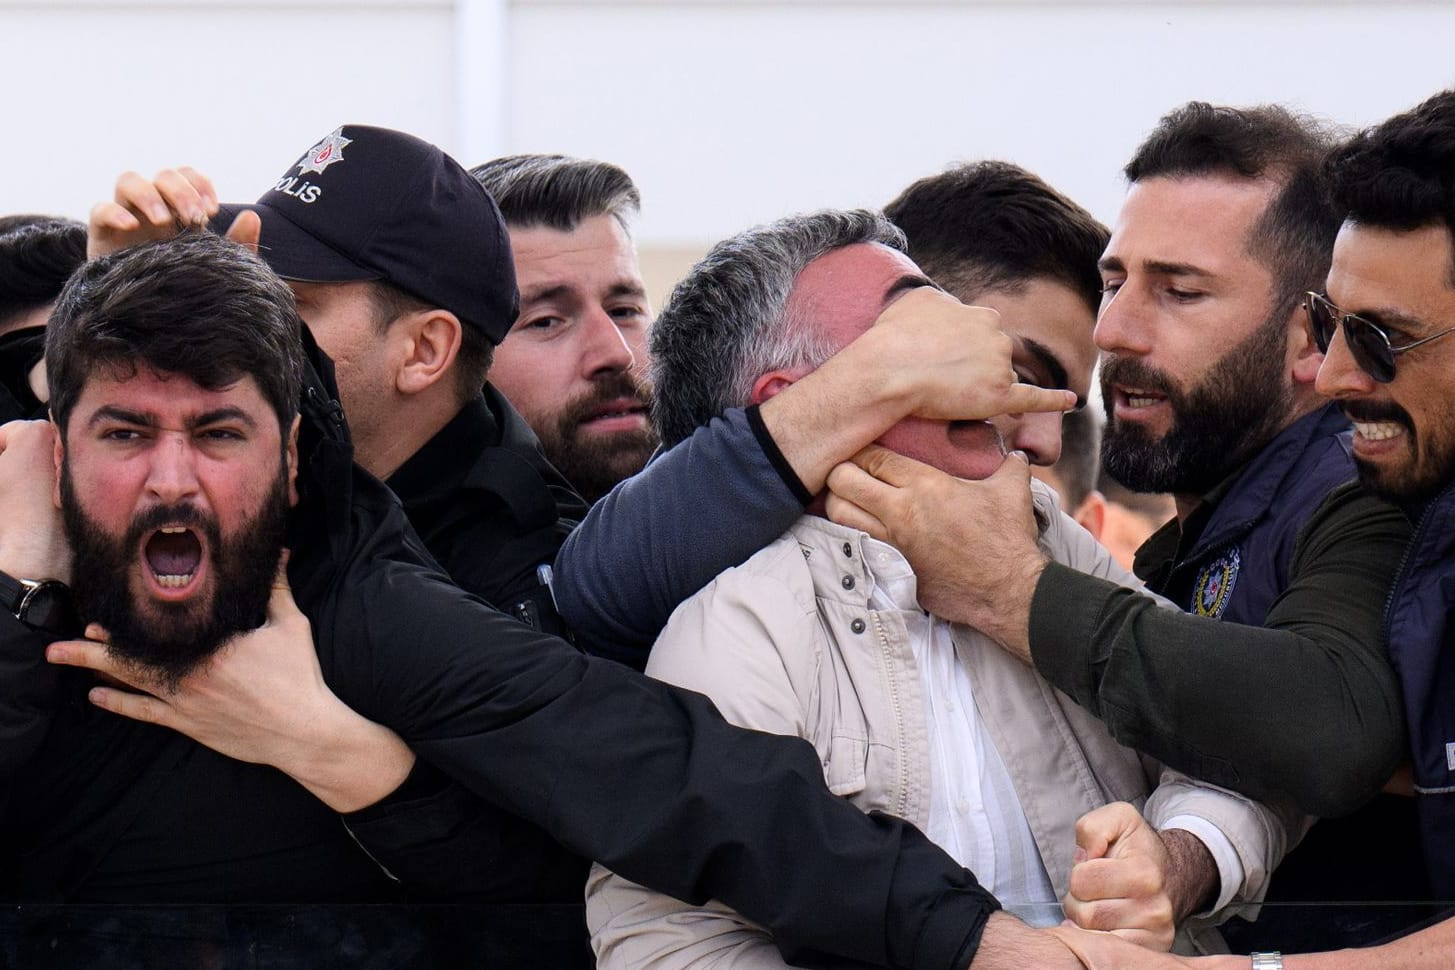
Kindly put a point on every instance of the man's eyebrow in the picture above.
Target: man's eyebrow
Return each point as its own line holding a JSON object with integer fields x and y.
{"x": 219, "y": 415}
{"x": 909, "y": 281}
{"x": 627, "y": 288}
{"x": 1166, "y": 268}
{"x": 1386, "y": 317}
{"x": 544, "y": 293}
{"x": 1054, "y": 368}
{"x": 1161, "y": 267}
{"x": 148, "y": 419}
{"x": 111, "y": 412}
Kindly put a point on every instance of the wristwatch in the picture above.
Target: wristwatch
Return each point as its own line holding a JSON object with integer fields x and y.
{"x": 1271, "y": 960}
{"x": 43, "y": 605}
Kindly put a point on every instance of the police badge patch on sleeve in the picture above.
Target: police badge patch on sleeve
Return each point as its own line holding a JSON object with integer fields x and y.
{"x": 1215, "y": 584}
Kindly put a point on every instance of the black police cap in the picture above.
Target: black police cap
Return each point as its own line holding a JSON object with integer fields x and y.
{"x": 370, "y": 203}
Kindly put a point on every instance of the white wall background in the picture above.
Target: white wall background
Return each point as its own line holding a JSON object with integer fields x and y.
{"x": 726, "y": 113}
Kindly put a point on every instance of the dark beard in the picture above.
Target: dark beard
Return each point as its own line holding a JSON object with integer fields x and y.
{"x": 1218, "y": 425}
{"x": 1431, "y": 465}
{"x": 594, "y": 465}
{"x": 178, "y": 637}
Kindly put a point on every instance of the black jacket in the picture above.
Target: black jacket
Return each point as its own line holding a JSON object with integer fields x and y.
{"x": 490, "y": 508}
{"x": 20, "y": 350}
{"x": 646, "y": 778}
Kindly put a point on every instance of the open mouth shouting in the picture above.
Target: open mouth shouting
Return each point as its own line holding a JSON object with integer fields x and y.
{"x": 175, "y": 558}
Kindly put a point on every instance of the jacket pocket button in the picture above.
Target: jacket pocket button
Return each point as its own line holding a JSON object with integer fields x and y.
{"x": 857, "y": 626}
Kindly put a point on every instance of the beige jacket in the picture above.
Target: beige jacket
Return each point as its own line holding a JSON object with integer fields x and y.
{"x": 787, "y": 643}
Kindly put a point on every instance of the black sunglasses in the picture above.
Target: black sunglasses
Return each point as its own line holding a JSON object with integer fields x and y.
{"x": 1367, "y": 342}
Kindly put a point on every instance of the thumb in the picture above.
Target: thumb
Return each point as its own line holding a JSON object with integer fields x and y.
{"x": 1015, "y": 471}
{"x": 1096, "y": 832}
{"x": 281, "y": 605}
{"x": 246, "y": 229}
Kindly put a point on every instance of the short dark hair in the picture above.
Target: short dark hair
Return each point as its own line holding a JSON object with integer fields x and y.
{"x": 37, "y": 255}
{"x": 1294, "y": 237}
{"x": 993, "y": 225}
{"x": 725, "y": 324}
{"x": 476, "y": 353}
{"x": 557, "y": 191}
{"x": 1400, "y": 174}
{"x": 1080, "y": 460}
{"x": 197, "y": 305}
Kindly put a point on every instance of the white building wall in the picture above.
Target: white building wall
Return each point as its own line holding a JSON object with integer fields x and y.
{"x": 725, "y": 113}
{"x": 731, "y": 113}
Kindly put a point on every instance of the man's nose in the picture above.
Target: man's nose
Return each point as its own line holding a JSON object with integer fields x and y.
{"x": 1124, "y": 323}
{"x": 173, "y": 472}
{"x": 1038, "y": 435}
{"x": 606, "y": 349}
{"x": 1340, "y": 376}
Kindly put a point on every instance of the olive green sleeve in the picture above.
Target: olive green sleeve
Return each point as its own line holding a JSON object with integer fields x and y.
{"x": 1306, "y": 707}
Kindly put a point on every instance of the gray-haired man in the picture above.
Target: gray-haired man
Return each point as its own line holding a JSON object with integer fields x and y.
{"x": 819, "y": 635}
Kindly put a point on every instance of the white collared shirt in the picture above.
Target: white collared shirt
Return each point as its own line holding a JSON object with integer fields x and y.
{"x": 975, "y": 814}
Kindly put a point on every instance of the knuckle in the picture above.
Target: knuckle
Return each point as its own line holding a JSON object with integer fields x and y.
{"x": 1081, "y": 885}
{"x": 1097, "y": 916}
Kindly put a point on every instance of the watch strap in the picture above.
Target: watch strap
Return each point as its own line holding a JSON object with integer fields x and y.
{"x": 1267, "y": 960}
{"x": 44, "y": 605}
{"x": 12, "y": 592}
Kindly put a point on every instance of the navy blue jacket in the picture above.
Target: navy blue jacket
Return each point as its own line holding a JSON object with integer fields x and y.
{"x": 1237, "y": 562}
{"x": 1420, "y": 646}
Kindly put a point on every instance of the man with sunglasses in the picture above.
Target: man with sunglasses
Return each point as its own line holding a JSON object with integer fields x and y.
{"x": 1276, "y": 682}
{"x": 1390, "y": 306}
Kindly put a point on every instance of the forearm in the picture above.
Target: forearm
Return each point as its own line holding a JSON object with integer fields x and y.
{"x": 716, "y": 812}
{"x": 348, "y": 762}
{"x": 442, "y": 842}
{"x": 1269, "y": 712}
{"x": 706, "y": 505}
{"x": 831, "y": 413}
{"x": 1192, "y": 873}
{"x": 1009, "y": 944}
{"x": 35, "y": 554}
{"x": 1429, "y": 949}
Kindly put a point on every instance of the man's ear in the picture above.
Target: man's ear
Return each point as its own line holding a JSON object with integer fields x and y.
{"x": 772, "y": 383}
{"x": 60, "y": 459}
{"x": 431, "y": 343}
{"x": 292, "y": 460}
{"x": 1091, "y": 514}
{"x": 1305, "y": 354}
